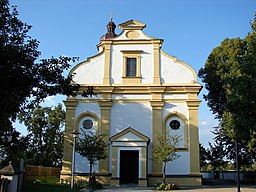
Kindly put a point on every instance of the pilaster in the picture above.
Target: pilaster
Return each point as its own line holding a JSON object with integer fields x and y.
{"x": 157, "y": 108}
{"x": 156, "y": 48}
{"x": 68, "y": 138}
{"x": 193, "y": 136}
{"x": 105, "y": 107}
{"x": 107, "y": 62}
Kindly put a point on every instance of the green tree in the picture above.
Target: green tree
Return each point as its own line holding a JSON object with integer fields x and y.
{"x": 46, "y": 129}
{"x": 203, "y": 156}
{"x": 229, "y": 75}
{"x": 25, "y": 80}
{"x": 167, "y": 152}
{"x": 92, "y": 147}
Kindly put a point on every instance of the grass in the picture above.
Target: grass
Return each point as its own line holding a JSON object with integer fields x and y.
{"x": 45, "y": 184}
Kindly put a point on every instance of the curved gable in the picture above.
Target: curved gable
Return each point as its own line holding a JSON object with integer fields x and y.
{"x": 89, "y": 71}
{"x": 175, "y": 71}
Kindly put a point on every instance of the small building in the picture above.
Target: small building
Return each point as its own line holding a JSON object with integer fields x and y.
{"x": 141, "y": 92}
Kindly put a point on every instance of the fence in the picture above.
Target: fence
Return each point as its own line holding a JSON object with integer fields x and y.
{"x": 39, "y": 171}
{"x": 229, "y": 175}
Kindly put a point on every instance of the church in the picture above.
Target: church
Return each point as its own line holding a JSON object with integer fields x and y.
{"x": 141, "y": 92}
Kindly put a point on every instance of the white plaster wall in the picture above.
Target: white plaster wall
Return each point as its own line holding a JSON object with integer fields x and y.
{"x": 81, "y": 163}
{"x": 140, "y": 33}
{"x": 130, "y": 96}
{"x": 179, "y": 166}
{"x": 175, "y": 96}
{"x": 179, "y": 132}
{"x": 178, "y": 107}
{"x": 146, "y": 62}
{"x": 87, "y": 107}
{"x": 90, "y": 72}
{"x": 132, "y": 114}
{"x": 173, "y": 72}
{"x": 94, "y": 97}
{"x": 135, "y": 115}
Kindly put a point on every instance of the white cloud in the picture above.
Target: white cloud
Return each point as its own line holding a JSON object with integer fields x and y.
{"x": 204, "y": 123}
{"x": 49, "y": 101}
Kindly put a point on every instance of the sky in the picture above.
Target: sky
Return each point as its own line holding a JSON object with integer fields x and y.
{"x": 190, "y": 30}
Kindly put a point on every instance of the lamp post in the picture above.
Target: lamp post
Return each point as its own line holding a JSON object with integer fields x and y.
{"x": 237, "y": 166}
{"x": 75, "y": 135}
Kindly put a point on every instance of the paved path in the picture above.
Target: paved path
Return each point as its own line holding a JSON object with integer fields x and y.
{"x": 203, "y": 188}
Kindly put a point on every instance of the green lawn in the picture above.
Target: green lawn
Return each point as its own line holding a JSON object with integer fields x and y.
{"x": 45, "y": 184}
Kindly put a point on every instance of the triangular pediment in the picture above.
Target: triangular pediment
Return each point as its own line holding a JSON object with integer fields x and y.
{"x": 128, "y": 135}
{"x": 132, "y": 24}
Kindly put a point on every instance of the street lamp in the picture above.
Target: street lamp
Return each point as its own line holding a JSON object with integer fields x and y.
{"x": 75, "y": 135}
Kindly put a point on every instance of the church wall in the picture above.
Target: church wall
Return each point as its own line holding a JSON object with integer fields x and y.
{"x": 171, "y": 71}
{"x": 117, "y": 62}
{"x": 131, "y": 114}
{"x": 175, "y": 107}
{"x": 179, "y": 166}
{"x": 90, "y": 72}
{"x": 82, "y": 111}
{"x": 139, "y": 35}
{"x": 87, "y": 107}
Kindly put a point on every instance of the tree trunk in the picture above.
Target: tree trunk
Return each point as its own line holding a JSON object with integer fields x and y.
{"x": 164, "y": 172}
{"x": 90, "y": 174}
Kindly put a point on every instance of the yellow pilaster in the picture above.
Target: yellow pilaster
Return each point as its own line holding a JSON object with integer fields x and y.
{"x": 157, "y": 108}
{"x": 105, "y": 107}
{"x": 156, "y": 47}
{"x": 194, "y": 138}
{"x": 114, "y": 179}
{"x": 68, "y": 138}
{"x": 107, "y": 62}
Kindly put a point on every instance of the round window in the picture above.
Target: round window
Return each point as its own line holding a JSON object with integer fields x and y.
{"x": 87, "y": 124}
{"x": 174, "y": 124}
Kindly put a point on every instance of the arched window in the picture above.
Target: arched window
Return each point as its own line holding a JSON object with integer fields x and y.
{"x": 87, "y": 122}
{"x": 176, "y": 124}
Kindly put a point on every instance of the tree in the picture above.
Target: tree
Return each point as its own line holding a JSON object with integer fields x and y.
{"x": 46, "y": 129}
{"x": 17, "y": 147}
{"x": 92, "y": 147}
{"x": 203, "y": 156}
{"x": 24, "y": 79}
{"x": 246, "y": 156}
{"x": 229, "y": 75}
{"x": 167, "y": 152}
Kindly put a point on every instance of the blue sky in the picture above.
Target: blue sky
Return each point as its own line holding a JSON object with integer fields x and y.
{"x": 190, "y": 29}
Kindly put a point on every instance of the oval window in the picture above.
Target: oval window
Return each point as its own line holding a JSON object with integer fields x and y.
{"x": 174, "y": 124}
{"x": 87, "y": 124}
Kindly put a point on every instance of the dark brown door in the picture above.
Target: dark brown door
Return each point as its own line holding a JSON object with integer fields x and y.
{"x": 129, "y": 166}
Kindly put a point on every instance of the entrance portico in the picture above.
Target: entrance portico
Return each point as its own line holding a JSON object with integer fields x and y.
{"x": 129, "y": 157}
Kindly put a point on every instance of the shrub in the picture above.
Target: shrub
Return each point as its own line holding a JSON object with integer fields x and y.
{"x": 167, "y": 186}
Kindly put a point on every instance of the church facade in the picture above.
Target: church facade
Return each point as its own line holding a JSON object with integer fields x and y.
{"x": 141, "y": 92}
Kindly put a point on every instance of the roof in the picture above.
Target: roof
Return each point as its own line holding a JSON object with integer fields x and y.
{"x": 9, "y": 170}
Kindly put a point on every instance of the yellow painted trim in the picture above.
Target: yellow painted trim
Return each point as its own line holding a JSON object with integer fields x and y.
{"x": 157, "y": 110}
{"x": 184, "y": 119}
{"x": 132, "y": 54}
{"x": 194, "y": 136}
{"x": 105, "y": 107}
{"x": 129, "y": 130}
{"x": 107, "y": 63}
{"x": 87, "y": 114}
{"x": 68, "y": 138}
{"x": 132, "y": 25}
{"x": 182, "y": 63}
